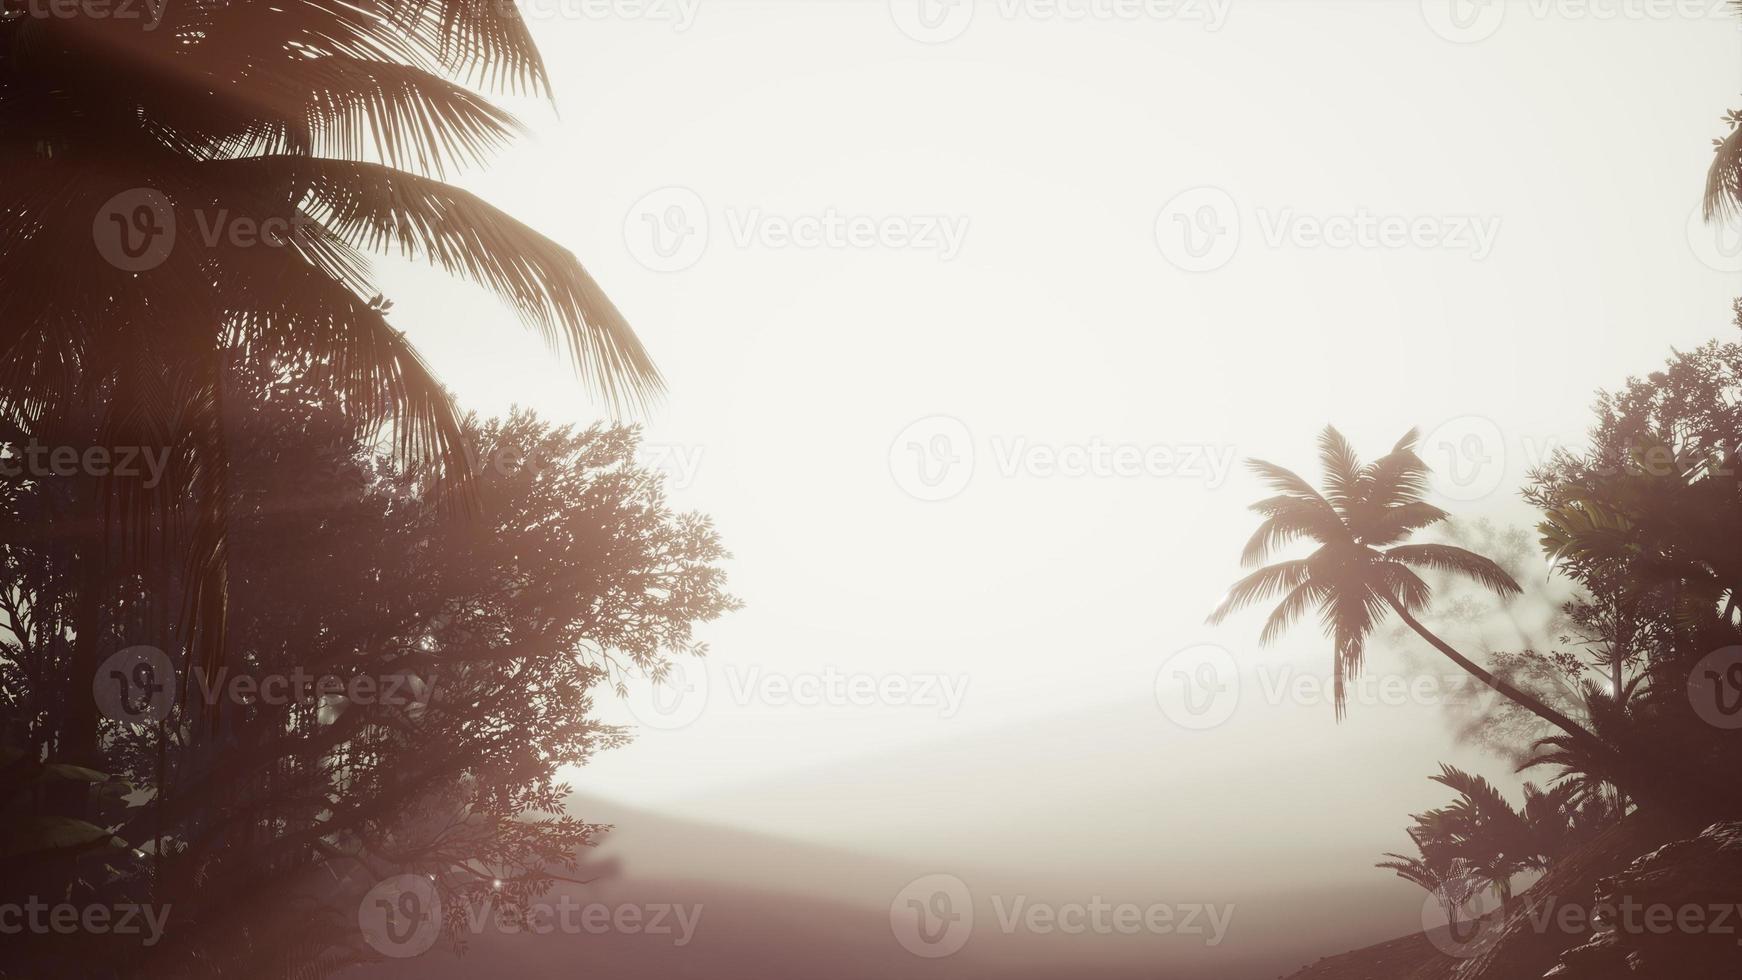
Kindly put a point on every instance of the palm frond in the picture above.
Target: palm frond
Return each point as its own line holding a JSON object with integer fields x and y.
{"x": 1289, "y": 519}
{"x": 1393, "y": 524}
{"x": 1585, "y": 531}
{"x": 1404, "y": 585}
{"x": 344, "y": 106}
{"x": 1723, "y": 198}
{"x": 1291, "y": 608}
{"x": 1260, "y": 585}
{"x": 1396, "y": 479}
{"x": 1457, "y": 561}
{"x": 1342, "y": 469}
{"x": 1349, "y": 615}
{"x": 348, "y": 346}
{"x": 1284, "y": 481}
{"x": 378, "y": 208}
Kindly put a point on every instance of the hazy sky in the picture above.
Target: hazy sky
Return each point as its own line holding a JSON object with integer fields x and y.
{"x": 867, "y": 240}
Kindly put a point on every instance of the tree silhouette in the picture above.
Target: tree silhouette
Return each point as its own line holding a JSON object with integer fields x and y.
{"x": 280, "y": 142}
{"x": 1359, "y": 568}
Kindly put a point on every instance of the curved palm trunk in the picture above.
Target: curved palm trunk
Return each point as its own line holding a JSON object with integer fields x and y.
{"x": 1661, "y": 780}
{"x": 1512, "y": 693}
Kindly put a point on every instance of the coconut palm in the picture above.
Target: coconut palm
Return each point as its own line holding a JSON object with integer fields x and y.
{"x": 1451, "y": 881}
{"x": 281, "y": 141}
{"x": 1723, "y": 198}
{"x": 1480, "y": 838}
{"x": 1360, "y": 568}
{"x": 1724, "y": 177}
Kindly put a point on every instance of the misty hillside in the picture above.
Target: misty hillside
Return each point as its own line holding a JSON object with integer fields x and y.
{"x": 827, "y": 914}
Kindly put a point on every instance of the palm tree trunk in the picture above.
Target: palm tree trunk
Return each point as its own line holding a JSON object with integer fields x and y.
{"x": 1662, "y": 780}
{"x": 1514, "y": 694}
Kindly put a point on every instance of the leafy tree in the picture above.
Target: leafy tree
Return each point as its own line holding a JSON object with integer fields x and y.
{"x": 337, "y": 122}
{"x": 1644, "y": 519}
{"x": 581, "y": 577}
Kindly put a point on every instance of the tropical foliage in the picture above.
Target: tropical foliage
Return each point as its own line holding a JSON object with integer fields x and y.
{"x": 1360, "y": 569}
{"x": 482, "y": 646}
{"x": 258, "y": 154}
{"x": 335, "y": 121}
{"x": 1480, "y": 841}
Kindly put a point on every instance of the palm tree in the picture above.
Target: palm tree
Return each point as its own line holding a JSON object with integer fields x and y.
{"x": 1723, "y": 199}
{"x": 1450, "y": 880}
{"x": 1360, "y": 569}
{"x": 1481, "y": 838}
{"x": 338, "y": 120}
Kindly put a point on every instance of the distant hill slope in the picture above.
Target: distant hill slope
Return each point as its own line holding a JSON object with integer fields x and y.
{"x": 776, "y": 909}
{"x": 1394, "y": 960}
